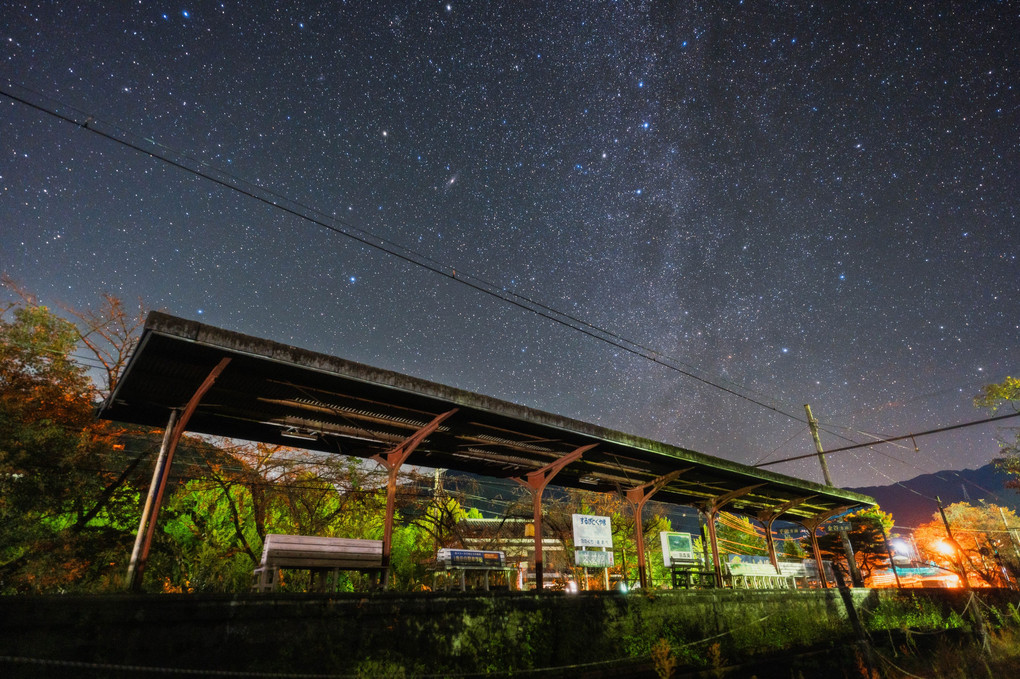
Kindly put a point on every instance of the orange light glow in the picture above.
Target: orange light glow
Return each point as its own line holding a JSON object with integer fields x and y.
{"x": 944, "y": 547}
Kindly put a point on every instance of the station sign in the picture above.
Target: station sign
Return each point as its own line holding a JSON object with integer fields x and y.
{"x": 791, "y": 532}
{"x": 593, "y": 559}
{"x": 471, "y": 558}
{"x": 676, "y": 548}
{"x": 837, "y": 526}
{"x": 592, "y": 531}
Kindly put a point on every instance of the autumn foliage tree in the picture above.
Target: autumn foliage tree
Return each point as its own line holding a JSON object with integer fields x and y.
{"x": 56, "y": 530}
{"x": 985, "y": 547}
{"x": 71, "y": 487}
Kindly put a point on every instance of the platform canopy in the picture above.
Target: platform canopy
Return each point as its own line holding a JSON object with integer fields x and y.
{"x": 279, "y": 394}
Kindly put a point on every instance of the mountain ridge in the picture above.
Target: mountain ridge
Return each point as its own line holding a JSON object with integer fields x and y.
{"x": 912, "y": 502}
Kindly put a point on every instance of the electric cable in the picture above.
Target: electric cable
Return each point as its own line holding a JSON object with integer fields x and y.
{"x": 162, "y": 153}
{"x": 894, "y": 438}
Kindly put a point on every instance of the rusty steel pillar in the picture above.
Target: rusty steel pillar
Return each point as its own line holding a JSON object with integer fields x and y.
{"x": 768, "y": 517}
{"x": 160, "y": 475}
{"x": 713, "y": 542}
{"x": 536, "y": 482}
{"x": 711, "y": 509}
{"x": 812, "y": 525}
{"x": 818, "y": 558}
{"x": 392, "y": 460}
{"x": 638, "y": 496}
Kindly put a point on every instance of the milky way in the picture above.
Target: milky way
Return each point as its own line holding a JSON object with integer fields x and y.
{"x": 801, "y": 203}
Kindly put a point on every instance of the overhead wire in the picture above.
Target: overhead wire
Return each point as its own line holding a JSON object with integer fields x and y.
{"x": 266, "y": 196}
{"x": 315, "y": 216}
{"x": 938, "y": 430}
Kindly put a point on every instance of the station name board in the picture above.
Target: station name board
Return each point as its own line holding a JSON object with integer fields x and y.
{"x": 592, "y": 531}
{"x": 471, "y": 558}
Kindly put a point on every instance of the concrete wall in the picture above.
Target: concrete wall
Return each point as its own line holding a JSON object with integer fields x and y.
{"x": 369, "y": 636}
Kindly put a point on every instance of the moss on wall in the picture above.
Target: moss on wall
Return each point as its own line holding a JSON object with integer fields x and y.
{"x": 399, "y": 635}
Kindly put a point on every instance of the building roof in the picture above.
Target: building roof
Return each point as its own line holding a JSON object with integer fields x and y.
{"x": 280, "y": 394}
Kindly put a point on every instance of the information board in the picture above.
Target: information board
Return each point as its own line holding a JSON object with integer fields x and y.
{"x": 470, "y": 558}
{"x": 593, "y": 559}
{"x": 592, "y": 531}
{"x": 676, "y": 548}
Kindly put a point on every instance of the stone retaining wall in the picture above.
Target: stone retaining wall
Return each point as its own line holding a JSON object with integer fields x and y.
{"x": 597, "y": 634}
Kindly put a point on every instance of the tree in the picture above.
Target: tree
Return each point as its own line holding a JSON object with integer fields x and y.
{"x": 866, "y": 539}
{"x": 235, "y": 494}
{"x": 1005, "y": 395}
{"x": 56, "y": 530}
{"x": 737, "y": 535}
{"x": 984, "y": 543}
{"x": 71, "y": 488}
{"x": 109, "y": 331}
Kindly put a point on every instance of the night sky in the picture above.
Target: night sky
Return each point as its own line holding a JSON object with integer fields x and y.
{"x": 799, "y": 202}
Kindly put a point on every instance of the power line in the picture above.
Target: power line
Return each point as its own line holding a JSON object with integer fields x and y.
{"x": 268, "y": 197}
{"x": 893, "y": 438}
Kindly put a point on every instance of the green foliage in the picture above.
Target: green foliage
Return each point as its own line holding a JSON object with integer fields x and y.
{"x": 866, "y": 540}
{"x": 58, "y": 526}
{"x": 913, "y": 613}
{"x": 1005, "y": 395}
{"x": 379, "y": 669}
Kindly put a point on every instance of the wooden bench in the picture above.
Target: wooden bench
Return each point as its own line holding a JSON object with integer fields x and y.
{"x": 324, "y": 557}
{"x": 695, "y": 575}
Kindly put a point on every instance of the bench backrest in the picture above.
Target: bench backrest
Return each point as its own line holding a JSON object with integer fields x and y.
{"x": 751, "y": 568}
{"x": 795, "y": 569}
{"x": 308, "y": 551}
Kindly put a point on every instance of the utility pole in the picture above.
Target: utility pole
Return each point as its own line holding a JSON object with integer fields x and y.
{"x": 979, "y": 618}
{"x": 851, "y": 559}
{"x": 1009, "y": 533}
{"x": 813, "y": 425}
{"x": 892, "y": 557}
{"x": 955, "y": 544}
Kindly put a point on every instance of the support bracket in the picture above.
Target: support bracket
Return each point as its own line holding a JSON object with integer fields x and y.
{"x": 536, "y": 482}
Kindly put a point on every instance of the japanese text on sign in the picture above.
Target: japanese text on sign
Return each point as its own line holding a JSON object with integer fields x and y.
{"x": 592, "y": 531}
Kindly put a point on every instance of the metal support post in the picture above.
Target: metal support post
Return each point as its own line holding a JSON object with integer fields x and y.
{"x": 812, "y": 525}
{"x": 536, "y": 482}
{"x": 712, "y": 508}
{"x": 818, "y": 559}
{"x": 892, "y": 560}
{"x": 150, "y": 499}
{"x": 637, "y": 497}
{"x": 392, "y": 460}
{"x": 768, "y": 517}
{"x": 137, "y": 566}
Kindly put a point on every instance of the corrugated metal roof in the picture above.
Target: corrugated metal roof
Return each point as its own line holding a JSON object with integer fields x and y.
{"x": 272, "y": 392}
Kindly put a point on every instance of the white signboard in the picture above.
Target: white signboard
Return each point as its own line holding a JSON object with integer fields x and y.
{"x": 676, "y": 548}
{"x": 592, "y": 531}
{"x": 593, "y": 559}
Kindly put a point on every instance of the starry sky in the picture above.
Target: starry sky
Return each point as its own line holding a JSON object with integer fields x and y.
{"x": 759, "y": 204}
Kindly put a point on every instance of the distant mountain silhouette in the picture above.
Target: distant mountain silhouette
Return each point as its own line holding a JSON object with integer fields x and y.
{"x": 913, "y": 502}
